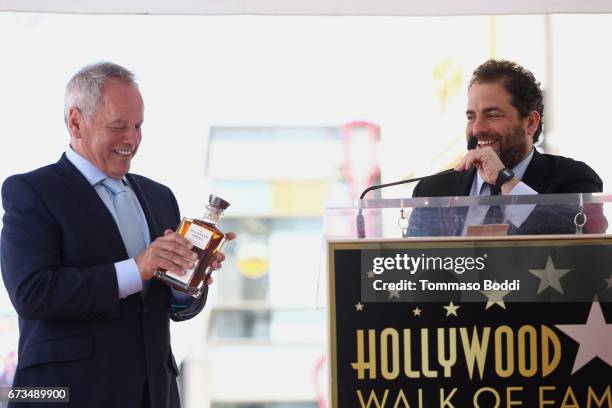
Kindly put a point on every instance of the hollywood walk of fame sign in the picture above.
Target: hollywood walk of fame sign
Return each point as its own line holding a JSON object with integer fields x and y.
{"x": 546, "y": 342}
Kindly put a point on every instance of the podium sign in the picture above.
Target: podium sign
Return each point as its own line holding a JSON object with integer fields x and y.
{"x": 471, "y": 322}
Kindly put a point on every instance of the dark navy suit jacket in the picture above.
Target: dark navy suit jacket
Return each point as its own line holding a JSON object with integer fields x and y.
{"x": 58, "y": 246}
{"x": 546, "y": 174}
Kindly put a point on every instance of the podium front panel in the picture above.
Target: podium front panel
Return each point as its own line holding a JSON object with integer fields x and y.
{"x": 547, "y": 343}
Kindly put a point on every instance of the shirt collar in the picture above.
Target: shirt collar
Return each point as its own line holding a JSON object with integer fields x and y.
{"x": 519, "y": 171}
{"x": 93, "y": 174}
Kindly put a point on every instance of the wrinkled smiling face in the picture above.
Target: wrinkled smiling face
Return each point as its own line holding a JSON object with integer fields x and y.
{"x": 496, "y": 123}
{"x": 111, "y": 137}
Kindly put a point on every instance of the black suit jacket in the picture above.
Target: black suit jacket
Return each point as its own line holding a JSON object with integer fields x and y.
{"x": 58, "y": 246}
{"x": 546, "y": 174}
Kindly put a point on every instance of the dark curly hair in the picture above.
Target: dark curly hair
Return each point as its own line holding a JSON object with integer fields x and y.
{"x": 519, "y": 82}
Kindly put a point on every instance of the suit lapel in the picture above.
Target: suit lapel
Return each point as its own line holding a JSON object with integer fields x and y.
{"x": 155, "y": 288}
{"x": 537, "y": 175}
{"x": 462, "y": 187}
{"x": 463, "y": 184}
{"x": 87, "y": 196}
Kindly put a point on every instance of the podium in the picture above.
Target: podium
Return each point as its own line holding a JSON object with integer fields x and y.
{"x": 433, "y": 308}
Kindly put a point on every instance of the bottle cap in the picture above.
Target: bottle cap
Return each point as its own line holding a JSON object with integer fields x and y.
{"x": 218, "y": 202}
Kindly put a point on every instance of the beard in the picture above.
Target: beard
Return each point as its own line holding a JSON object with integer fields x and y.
{"x": 512, "y": 145}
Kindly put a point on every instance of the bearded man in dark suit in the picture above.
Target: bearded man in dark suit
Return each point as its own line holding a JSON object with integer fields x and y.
{"x": 505, "y": 112}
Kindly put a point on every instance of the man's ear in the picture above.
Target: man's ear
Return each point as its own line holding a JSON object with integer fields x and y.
{"x": 533, "y": 121}
{"x": 75, "y": 122}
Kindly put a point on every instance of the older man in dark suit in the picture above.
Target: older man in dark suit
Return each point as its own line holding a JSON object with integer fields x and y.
{"x": 78, "y": 261}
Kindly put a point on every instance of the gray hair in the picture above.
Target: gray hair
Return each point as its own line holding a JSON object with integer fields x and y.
{"x": 84, "y": 89}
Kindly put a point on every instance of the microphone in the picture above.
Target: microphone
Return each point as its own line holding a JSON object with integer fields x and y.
{"x": 471, "y": 145}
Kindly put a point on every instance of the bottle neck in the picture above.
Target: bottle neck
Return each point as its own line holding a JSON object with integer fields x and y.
{"x": 212, "y": 214}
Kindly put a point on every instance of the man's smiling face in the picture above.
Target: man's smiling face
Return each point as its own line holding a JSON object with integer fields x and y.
{"x": 110, "y": 138}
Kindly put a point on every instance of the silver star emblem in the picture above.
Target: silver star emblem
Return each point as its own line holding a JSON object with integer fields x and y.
{"x": 394, "y": 293}
{"x": 359, "y": 307}
{"x": 549, "y": 276}
{"x": 370, "y": 274}
{"x": 609, "y": 280}
{"x": 593, "y": 338}
{"x": 416, "y": 311}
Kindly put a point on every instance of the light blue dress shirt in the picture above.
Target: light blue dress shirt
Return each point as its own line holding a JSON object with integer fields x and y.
{"x": 515, "y": 214}
{"x": 128, "y": 276}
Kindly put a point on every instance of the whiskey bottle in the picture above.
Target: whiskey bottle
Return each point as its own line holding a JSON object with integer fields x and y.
{"x": 207, "y": 240}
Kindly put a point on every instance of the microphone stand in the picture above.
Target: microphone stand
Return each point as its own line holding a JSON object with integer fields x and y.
{"x": 471, "y": 145}
{"x": 361, "y": 219}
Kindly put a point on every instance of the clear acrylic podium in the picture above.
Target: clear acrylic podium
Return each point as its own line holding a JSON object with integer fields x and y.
{"x": 449, "y": 216}
{"x": 431, "y": 305}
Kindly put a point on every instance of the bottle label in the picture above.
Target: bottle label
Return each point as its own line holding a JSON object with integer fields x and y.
{"x": 186, "y": 277}
{"x": 199, "y": 237}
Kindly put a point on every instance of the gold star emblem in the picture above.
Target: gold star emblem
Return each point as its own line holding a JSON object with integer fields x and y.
{"x": 359, "y": 307}
{"x": 549, "y": 276}
{"x": 495, "y": 297}
{"x": 451, "y": 309}
{"x": 416, "y": 311}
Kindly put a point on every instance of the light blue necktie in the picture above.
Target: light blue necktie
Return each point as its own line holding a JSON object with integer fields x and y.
{"x": 127, "y": 219}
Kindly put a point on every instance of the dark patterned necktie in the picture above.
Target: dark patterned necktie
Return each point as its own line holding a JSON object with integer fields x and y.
{"x": 494, "y": 214}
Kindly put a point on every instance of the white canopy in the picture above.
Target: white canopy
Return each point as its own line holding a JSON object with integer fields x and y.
{"x": 311, "y": 7}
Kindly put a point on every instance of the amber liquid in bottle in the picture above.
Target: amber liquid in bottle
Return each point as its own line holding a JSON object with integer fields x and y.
{"x": 207, "y": 240}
